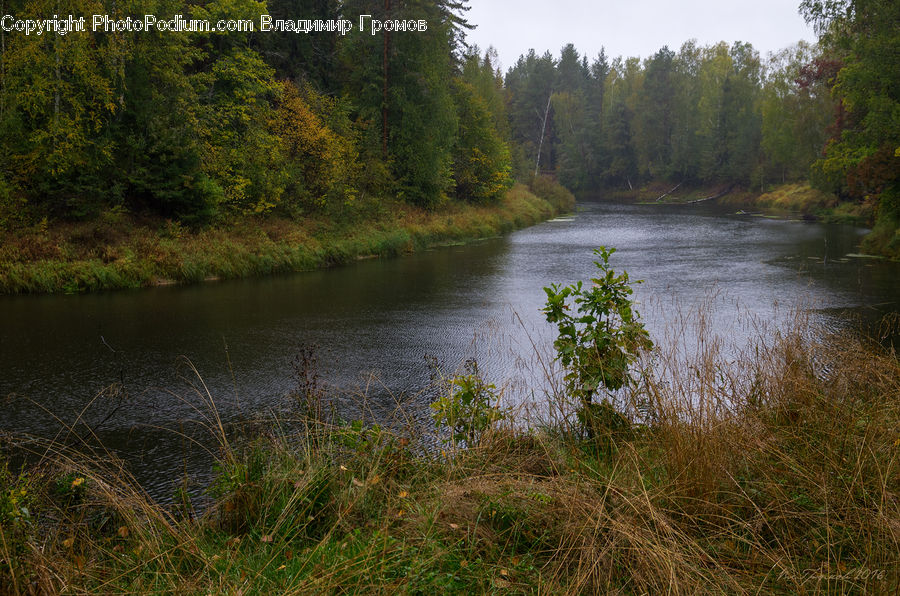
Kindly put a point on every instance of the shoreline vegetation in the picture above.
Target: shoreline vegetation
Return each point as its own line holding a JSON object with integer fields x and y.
{"x": 225, "y": 128}
{"x": 792, "y": 200}
{"x": 773, "y": 472}
{"x": 120, "y": 251}
{"x": 789, "y": 199}
{"x": 236, "y": 133}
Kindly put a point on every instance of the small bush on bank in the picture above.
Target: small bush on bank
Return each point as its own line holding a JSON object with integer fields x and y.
{"x": 553, "y": 192}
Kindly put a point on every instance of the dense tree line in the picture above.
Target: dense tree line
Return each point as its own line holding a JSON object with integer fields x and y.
{"x": 862, "y": 158}
{"x": 202, "y": 125}
{"x": 828, "y": 113}
{"x": 714, "y": 114}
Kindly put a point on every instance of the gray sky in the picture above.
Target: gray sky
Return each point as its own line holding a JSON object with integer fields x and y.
{"x": 631, "y": 27}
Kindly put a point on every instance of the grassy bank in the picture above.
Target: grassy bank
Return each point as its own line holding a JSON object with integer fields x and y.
{"x": 783, "y": 200}
{"x": 803, "y": 200}
{"x": 119, "y": 250}
{"x": 787, "y": 200}
{"x": 775, "y": 472}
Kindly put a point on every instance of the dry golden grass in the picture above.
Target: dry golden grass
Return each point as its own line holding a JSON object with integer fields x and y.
{"x": 770, "y": 470}
{"x": 799, "y": 198}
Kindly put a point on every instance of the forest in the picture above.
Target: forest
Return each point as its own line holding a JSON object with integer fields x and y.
{"x": 205, "y": 127}
{"x": 431, "y": 425}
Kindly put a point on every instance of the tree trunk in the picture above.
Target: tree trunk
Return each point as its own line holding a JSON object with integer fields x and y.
{"x": 665, "y": 194}
{"x": 386, "y": 72}
{"x": 537, "y": 164}
{"x": 2, "y": 62}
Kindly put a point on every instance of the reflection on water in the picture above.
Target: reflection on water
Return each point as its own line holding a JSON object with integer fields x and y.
{"x": 382, "y": 317}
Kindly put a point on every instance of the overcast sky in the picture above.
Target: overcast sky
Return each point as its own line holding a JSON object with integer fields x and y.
{"x": 631, "y": 27}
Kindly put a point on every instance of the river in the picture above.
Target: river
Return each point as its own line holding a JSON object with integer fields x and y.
{"x": 375, "y": 320}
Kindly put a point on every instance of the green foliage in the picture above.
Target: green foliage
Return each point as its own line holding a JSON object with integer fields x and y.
{"x": 885, "y": 236}
{"x": 16, "y": 521}
{"x": 468, "y": 406}
{"x": 204, "y": 127}
{"x": 59, "y": 95}
{"x": 158, "y": 148}
{"x": 600, "y": 333}
{"x": 70, "y": 489}
{"x": 530, "y": 83}
{"x": 482, "y": 73}
{"x": 400, "y": 84}
{"x": 728, "y": 81}
{"x": 15, "y": 500}
{"x": 261, "y": 492}
{"x": 237, "y": 144}
{"x": 863, "y": 158}
{"x": 553, "y": 192}
{"x": 794, "y": 117}
{"x": 574, "y": 120}
{"x": 481, "y": 161}
{"x": 319, "y": 148}
{"x": 13, "y": 206}
{"x": 421, "y": 142}
{"x": 656, "y": 118}
{"x": 197, "y": 127}
{"x": 703, "y": 115}
{"x": 311, "y": 58}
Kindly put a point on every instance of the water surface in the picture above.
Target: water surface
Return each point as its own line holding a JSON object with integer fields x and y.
{"x": 380, "y": 317}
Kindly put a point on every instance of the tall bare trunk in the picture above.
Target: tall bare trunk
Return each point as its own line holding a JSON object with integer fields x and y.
{"x": 386, "y": 75}
{"x": 2, "y": 62}
{"x": 537, "y": 164}
{"x": 56, "y": 96}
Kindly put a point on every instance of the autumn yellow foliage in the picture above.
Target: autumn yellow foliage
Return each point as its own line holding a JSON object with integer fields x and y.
{"x": 322, "y": 163}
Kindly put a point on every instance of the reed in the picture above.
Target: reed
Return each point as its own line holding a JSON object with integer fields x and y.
{"x": 770, "y": 469}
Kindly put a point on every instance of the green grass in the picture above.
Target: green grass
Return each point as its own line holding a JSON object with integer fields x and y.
{"x": 118, "y": 251}
{"x": 775, "y": 472}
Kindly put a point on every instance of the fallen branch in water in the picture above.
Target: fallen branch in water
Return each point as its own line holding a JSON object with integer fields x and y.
{"x": 713, "y": 197}
{"x": 665, "y": 194}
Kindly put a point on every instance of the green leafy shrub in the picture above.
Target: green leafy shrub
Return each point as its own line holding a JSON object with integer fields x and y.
{"x": 600, "y": 337}
{"x": 468, "y": 406}
{"x": 70, "y": 489}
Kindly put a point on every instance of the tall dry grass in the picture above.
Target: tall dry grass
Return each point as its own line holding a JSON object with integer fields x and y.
{"x": 771, "y": 469}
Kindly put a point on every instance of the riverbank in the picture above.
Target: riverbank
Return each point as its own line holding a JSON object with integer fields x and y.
{"x": 786, "y": 200}
{"x": 802, "y": 200}
{"x": 795, "y": 200}
{"x": 781, "y": 477}
{"x": 119, "y": 251}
